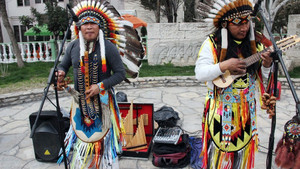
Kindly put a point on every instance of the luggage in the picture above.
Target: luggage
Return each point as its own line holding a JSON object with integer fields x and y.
{"x": 172, "y": 156}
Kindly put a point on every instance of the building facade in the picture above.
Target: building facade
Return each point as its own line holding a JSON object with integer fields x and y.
{"x": 17, "y": 8}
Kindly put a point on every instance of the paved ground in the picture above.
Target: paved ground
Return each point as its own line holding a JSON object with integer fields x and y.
{"x": 16, "y": 149}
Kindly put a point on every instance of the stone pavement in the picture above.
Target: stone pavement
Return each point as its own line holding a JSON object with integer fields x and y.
{"x": 16, "y": 149}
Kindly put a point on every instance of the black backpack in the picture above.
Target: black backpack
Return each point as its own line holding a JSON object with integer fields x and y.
{"x": 172, "y": 156}
{"x": 166, "y": 117}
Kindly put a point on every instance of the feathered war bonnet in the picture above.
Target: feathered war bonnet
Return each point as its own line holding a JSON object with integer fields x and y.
{"x": 112, "y": 27}
{"x": 221, "y": 12}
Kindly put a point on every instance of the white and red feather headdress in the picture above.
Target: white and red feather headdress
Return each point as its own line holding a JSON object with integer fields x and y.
{"x": 112, "y": 27}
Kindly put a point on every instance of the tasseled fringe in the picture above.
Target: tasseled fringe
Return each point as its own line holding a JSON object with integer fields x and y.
{"x": 205, "y": 145}
{"x": 70, "y": 139}
{"x": 81, "y": 45}
{"x": 261, "y": 87}
{"x": 249, "y": 154}
{"x": 82, "y": 154}
{"x": 220, "y": 108}
{"x": 224, "y": 44}
{"x": 225, "y": 160}
{"x": 118, "y": 127}
{"x": 118, "y": 114}
{"x": 223, "y": 54}
{"x": 288, "y": 154}
{"x": 109, "y": 158}
{"x": 252, "y": 39}
{"x": 297, "y": 159}
{"x": 102, "y": 51}
{"x": 115, "y": 118}
{"x": 100, "y": 154}
{"x": 243, "y": 107}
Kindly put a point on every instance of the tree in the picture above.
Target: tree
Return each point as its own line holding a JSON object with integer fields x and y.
{"x": 55, "y": 17}
{"x": 174, "y": 6}
{"x": 189, "y": 11}
{"x": 26, "y": 21}
{"x": 168, "y": 7}
{"x": 10, "y": 32}
{"x": 270, "y": 9}
{"x": 281, "y": 19}
{"x": 157, "y": 13}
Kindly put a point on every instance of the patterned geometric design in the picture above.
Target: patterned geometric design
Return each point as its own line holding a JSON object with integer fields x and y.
{"x": 237, "y": 21}
{"x": 226, "y": 129}
{"x": 88, "y": 19}
{"x": 87, "y": 130}
{"x": 236, "y": 140}
{"x": 242, "y": 82}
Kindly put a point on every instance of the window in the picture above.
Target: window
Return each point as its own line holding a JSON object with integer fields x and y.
{"x": 38, "y": 1}
{"x": 17, "y": 33}
{"x": 27, "y": 2}
{"x": 1, "y": 37}
{"x": 61, "y": 0}
{"x": 20, "y": 2}
{"x": 23, "y": 2}
{"x": 23, "y": 30}
{"x": 31, "y": 38}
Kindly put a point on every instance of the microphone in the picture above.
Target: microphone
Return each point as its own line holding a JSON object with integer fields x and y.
{"x": 74, "y": 17}
{"x": 255, "y": 11}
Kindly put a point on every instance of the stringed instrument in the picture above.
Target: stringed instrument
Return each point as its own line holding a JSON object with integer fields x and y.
{"x": 226, "y": 79}
{"x": 135, "y": 141}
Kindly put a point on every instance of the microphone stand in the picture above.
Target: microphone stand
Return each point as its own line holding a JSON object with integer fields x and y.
{"x": 277, "y": 57}
{"x": 53, "y": 79}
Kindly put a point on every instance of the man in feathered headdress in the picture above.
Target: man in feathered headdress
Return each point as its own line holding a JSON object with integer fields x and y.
{"x": 226, "y": 65}
{"x": 96, "y": 132}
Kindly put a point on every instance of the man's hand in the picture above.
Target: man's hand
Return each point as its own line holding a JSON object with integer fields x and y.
{"x": 267, "y": 59}
{"x": 61, "y": 75}
{"x": 94, "y": 90}
{"x": 60, "y": 80}
{"x": 234, "y": 65}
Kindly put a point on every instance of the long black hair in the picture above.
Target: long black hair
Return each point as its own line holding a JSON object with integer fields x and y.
{"x": 234, "y": 48}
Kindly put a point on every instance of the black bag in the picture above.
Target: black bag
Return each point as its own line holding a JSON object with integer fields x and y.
{"x": 121, "y": 97}
{"x": 172, "y": 156}
{"x": 166, "y": 117}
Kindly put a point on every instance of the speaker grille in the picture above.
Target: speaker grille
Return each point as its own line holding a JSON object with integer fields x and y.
{"x": 45, "y": 140}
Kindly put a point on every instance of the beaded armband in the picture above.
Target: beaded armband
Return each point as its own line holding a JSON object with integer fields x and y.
{"x": 101, "y": 86}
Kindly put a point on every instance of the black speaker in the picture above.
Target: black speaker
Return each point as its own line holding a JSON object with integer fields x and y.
{"x": 45, "y": 140}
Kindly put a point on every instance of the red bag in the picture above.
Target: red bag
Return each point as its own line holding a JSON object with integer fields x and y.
{"x": 172, "y": 156}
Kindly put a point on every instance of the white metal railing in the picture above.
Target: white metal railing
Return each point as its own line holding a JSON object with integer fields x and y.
{"x": 30, "y": 51}
{"x": 39, "y": 51}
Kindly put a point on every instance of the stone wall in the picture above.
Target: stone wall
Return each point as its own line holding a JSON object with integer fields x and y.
{"x": 179, "y": 43}
{"x": 176, "y": 43}
{"x": 292, "y": 57}
{"x": 10, "y": 99}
